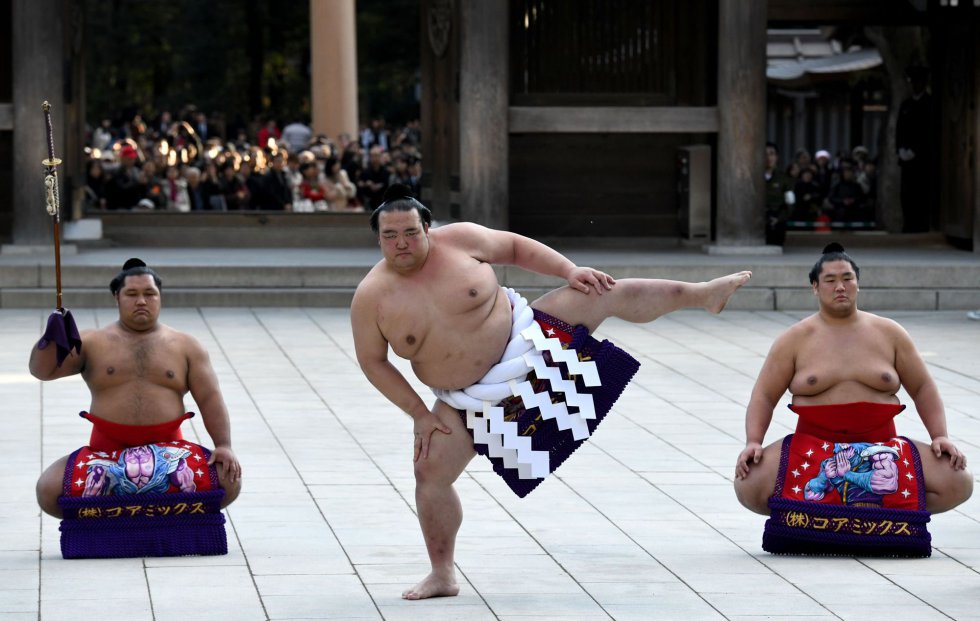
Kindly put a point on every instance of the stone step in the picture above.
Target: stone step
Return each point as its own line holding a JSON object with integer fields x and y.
{"x": 965, "y": 276}
{"x": 324, "y": 297}
{"x": 747, "y": 298}
{"x": 930, "y": 277}
{"x": 189, "y": 276}
{"x": 242, "y": 229}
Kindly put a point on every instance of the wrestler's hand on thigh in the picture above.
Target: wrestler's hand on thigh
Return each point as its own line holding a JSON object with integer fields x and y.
{"x": 227, "y": 463}
{"x": 941, "y": 444}
{"x": 751, "y": 454}
{"x": 425, "y": 425}
{"x": 585, "y": 279}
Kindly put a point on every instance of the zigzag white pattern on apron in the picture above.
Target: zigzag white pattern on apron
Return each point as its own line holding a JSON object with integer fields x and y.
{"x": 508, "y": 378}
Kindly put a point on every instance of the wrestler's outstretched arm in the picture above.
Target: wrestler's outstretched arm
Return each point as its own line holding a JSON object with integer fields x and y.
{"x": 371, "y": 349}
{"x": 774, "y": 379}
{"x": 203, "y": 385}
{"x": 505, "y": 248}
{"x": 915, "y": 377}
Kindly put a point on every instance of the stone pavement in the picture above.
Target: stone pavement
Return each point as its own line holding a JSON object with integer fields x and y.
{"x": 641, "y": 524}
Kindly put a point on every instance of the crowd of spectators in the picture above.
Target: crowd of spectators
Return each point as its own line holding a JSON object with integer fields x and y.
{"x": 819, "y": 192}
{"x": 192, "y": 163}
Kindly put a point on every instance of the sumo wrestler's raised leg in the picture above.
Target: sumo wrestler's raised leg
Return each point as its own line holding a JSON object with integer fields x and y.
{"x": 639, "y": 300}
{"x": 755, "y": 489}
{"x": 945, "y": 488}
{"x": 439, "y": 509}
{"x": 50, "y": 486}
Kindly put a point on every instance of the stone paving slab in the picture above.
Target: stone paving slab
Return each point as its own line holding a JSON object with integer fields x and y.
{"x": 641, "y": 524}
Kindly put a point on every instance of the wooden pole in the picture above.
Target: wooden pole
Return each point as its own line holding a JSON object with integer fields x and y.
{"x": 53, "y": 199}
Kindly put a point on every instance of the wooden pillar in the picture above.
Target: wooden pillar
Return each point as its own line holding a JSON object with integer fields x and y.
{"x": 483, "y": 103}
{"x": 333, "y": 67}
{"x": 955, "y": 95}
{"x": 73, "y": 148}
{"x": 439, "y": 60}
{"x": 799, "y": 128}
{"x": 976, "y": 137}
{"x": 741, "y": 123}
{"x": 38, "y": 75}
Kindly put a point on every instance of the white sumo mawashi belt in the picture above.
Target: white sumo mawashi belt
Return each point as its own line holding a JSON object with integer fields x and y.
{"x": 508, "y": 378}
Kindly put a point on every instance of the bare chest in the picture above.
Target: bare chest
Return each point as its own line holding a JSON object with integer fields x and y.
{"x": 113, "y": 362}
{"x": 859, "y": 357}
{"x": 450, "y": 303}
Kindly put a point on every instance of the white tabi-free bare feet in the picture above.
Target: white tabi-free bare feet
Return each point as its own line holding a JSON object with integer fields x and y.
{"x": 433, "y": 586}
{"x": 720, "y": 289}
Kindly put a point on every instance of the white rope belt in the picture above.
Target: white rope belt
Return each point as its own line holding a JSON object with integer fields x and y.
{"x": 508, "y": 378}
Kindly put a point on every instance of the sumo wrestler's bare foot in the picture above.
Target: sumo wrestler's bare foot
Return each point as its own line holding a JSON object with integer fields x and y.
{"x": 719, "y": 290}
{"x": 433, "y": 586}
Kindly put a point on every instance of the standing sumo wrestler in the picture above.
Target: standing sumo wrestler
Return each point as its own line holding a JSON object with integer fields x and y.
{"x": 434, "y": 299}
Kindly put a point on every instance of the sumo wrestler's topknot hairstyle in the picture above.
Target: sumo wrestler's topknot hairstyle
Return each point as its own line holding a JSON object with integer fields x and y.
{"x": 832, "y": 252}
{"x": 133, "y": 267}
{"x": 398, "y": 197}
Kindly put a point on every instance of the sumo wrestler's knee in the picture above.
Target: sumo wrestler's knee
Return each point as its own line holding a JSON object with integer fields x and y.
{"x": 232, "y": 489}
{"x": 429, "y": 470}
{"x": 945, "y": 488}
{"x": 442, "y": 466}
{"x": 50, "y": 487}
{"x": 959, "y": 488}
{"x": 752, "y": 494}
{"x": 47, "y": 497}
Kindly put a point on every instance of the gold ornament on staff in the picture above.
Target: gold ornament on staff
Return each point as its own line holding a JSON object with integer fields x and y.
{"x": 53, "y": 198}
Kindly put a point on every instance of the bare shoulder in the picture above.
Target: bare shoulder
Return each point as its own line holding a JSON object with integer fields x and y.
{"x": 95, "y": 335}
{"x": 187, "y": 342}
{"x": 93, "y": 340}
{"x": 479, "y": 242}
{"x": 458, "y": 230}
{"x": 98, "y": 339}
{"x": 797, "y": 334}
{"x": 886, "y": 327}
{"x": 464, "y": 235}
{"x": 372, "y": 284}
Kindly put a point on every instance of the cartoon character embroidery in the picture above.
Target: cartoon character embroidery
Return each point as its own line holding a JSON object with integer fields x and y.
{"x": 140, "y": 470}
{"x": 862, "y": 473}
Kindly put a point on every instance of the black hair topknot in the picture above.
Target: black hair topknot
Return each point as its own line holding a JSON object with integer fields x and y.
{"x": 133, "y": 267}
{"x": 832, "y": 252}
{"x": 396, "y": 191}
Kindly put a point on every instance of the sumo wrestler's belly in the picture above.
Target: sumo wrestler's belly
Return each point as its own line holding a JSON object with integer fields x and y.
{"x": 455, "y": 359}
{"x": 137, "y": 403}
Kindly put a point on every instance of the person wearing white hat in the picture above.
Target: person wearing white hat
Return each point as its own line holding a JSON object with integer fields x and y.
{"x": 823, "y": 175}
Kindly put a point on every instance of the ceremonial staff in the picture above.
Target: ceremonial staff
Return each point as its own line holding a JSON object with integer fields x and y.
{"x": 61, "y": 329}
{"x": 53, "y": 199}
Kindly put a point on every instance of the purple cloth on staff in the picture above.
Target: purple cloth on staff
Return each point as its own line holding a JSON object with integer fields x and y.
{"x": 63, "y": 332}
